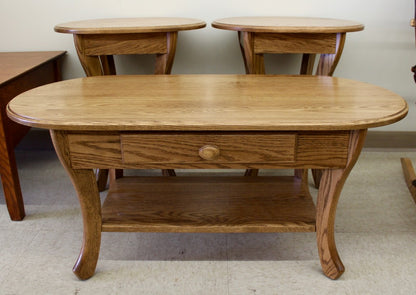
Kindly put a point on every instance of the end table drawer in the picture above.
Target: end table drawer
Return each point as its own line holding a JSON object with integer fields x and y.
{"x": 207, "y": 148}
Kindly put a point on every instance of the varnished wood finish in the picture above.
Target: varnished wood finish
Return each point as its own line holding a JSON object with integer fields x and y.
{"x": 20, "y": 71}
{"x": 409, "y": 176}
{"x": 246, "y": 121}
{"x": 108, "y": 37}
{"x": 96, "y": 41}
{"x": 237, "y": 149}
{"x": 208, "y": 103}
{"x": 329, "y": 191}
{"x": 306, "y": 35}
{"x": 290, "y": 35}
{"x": 89, "y": 199}
{"x": 294, "y": 43}
{"x": 130, "y": 25}
{"x": 329, "y": 61}
{"x": 282, "y": 24}
{"x": 208, "y": 204}
{"x": 187, "y": 149}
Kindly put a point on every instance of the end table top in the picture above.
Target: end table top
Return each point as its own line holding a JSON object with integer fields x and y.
{"x": 130, "y": 25}
{"x": 208, "y": 103}
{"x": 282, "y": 24}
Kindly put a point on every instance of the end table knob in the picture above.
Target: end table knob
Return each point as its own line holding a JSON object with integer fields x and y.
{"x": 209, "y": 152}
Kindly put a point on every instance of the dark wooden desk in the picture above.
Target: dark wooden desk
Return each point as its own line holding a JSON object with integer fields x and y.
{"x": 20, "y": 71}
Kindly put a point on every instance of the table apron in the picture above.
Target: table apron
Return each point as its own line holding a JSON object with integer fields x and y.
{"x": 111, "y": 44}
{"x": 313, "y": 43}
{"x": 236, "y": 150}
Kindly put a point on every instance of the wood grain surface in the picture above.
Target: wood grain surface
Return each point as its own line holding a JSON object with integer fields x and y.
{"x": 130, "y": 25}
{"x": 159, "y": 150}
{"x": 281, "y": 24}
{"x": 208, "y": 204}
{"x": 208, "y": 102}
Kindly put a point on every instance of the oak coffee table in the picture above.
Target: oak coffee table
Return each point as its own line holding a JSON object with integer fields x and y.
{"x": 208, "y": 121}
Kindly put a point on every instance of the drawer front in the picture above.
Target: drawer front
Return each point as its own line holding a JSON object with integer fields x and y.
{"x": 158, "y": 150}
{"x": 207, "y": 148}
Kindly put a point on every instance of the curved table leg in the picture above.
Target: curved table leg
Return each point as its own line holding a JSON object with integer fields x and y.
{"x": 329, "y": 191}
{"x": 108, "y": 65}
{"x": 328, "y": 62}
{"x": 254, "y": 62}
{"x": 409, "y": 176}
{"x": 89, "y": 199}
{"x": 90, "y": 64}
{"x": 164, "y": 62}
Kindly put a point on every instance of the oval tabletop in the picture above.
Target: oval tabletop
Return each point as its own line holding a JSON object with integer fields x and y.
{"x": 282, "y": 24}
{"x": 208, "y": 102}
{"x": 130, "y": 25}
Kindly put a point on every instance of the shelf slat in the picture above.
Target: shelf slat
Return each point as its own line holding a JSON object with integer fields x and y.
{"x": 208, "y": 204}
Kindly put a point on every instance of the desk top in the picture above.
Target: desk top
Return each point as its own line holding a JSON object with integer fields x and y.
{"x": 207, "y": 103}
{"x": 14, "y": 64}
{"x": 130, "y": 25}
{"x": 281, "y": 24}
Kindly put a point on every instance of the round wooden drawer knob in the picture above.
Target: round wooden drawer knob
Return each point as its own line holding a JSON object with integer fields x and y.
{"x": 209, "y": 152}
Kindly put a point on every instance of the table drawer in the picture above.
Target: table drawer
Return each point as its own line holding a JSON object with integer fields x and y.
{"x": 207, "y": 148}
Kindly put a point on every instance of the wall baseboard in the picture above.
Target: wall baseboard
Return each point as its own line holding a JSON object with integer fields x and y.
{"x": 391, "y": 140}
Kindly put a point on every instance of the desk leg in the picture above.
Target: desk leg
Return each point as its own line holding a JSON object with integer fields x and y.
{"x": 329, "y": 191}
{"x": 89, "y": 199}
{"x": 9, "y": 174}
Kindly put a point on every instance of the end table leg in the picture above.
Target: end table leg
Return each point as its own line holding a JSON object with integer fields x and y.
{"x": 164, "y": 62}
{"x": 254, "y": 62}
{"x": 328, "y": 62}
{"x": 90, "y": 64}
{"x": 330, "y": 188}
{"x": 84, "y": 182}
{"x": 409, "y": 176}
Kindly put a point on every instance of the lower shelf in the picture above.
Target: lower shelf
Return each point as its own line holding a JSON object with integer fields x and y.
{"x": 208, "y": 204}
